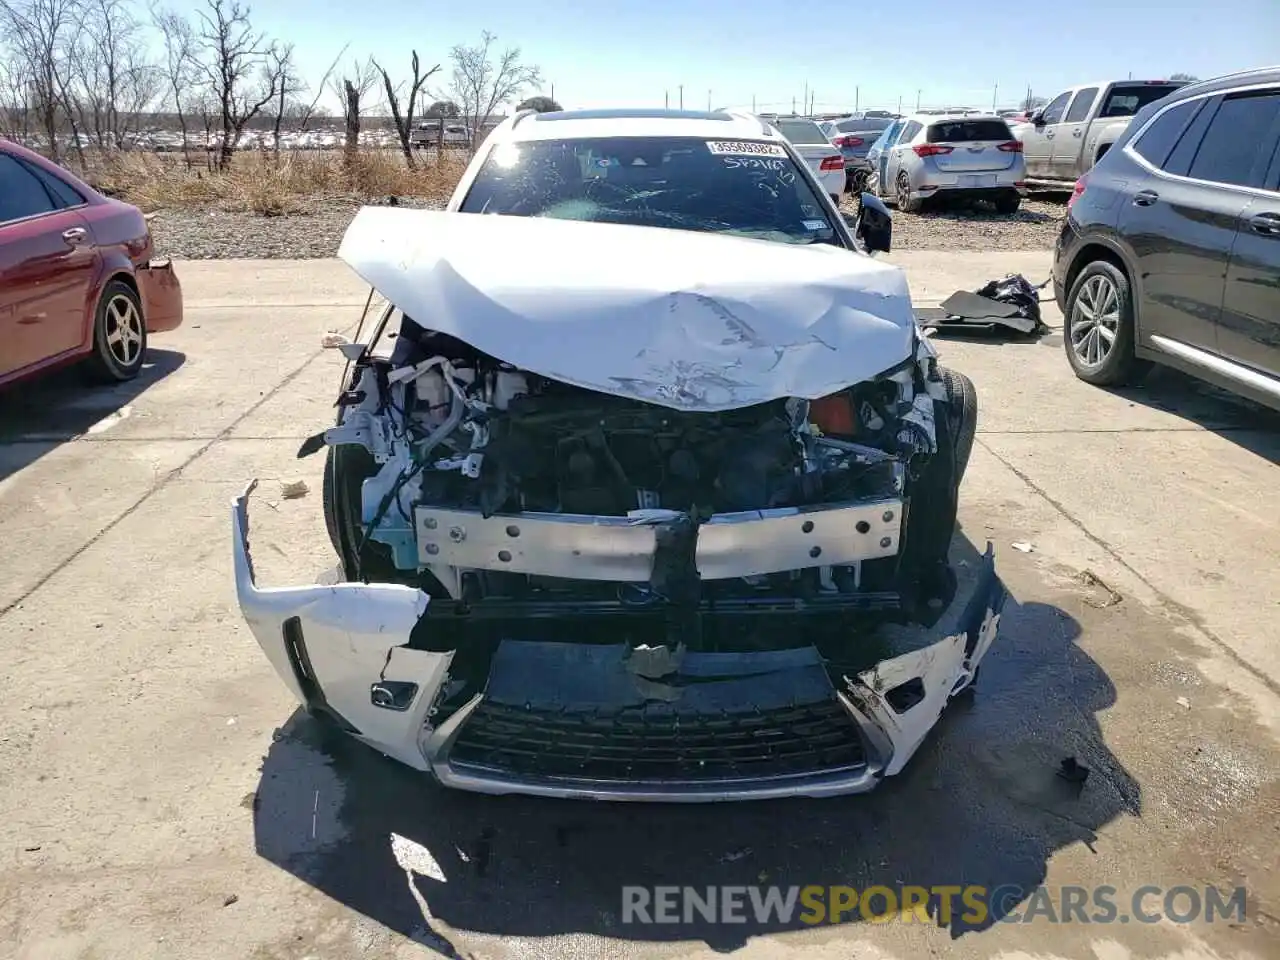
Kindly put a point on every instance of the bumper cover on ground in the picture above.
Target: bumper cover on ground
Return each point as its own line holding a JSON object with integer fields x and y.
{"x": 598, "y": 721}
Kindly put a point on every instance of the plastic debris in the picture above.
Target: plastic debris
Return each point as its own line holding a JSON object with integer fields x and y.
{"x": 1110, "y": 596}
{"x": 293, "y": 489}
{"x": 1022, "y": 546}
{"x": 1183, "y": 702}
{"x": 333, "y": 340}
{"x": 233, "y": 898}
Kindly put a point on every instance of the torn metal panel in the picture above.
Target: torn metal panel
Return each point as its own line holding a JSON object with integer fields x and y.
{"x": 622, "y": 548}
{"x": 711, "y": 323}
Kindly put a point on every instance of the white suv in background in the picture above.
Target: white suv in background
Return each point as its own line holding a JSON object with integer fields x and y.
{"x": 971, "y": 155}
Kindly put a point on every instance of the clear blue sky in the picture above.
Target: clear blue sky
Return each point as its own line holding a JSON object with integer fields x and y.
{"x": 628, "y": 52}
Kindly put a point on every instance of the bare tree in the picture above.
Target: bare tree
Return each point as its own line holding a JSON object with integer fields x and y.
{"x": 442, "y": 109}
{"x": 314, "y": 109}
{"x": 232, "y": 52}
{"x": 280, "y": 74}
{"x": 351, "y": 89}
{"x": 539, "y": 103}
{"x": 404, "y": 119}
{"x": 481, "y": 84}
{"x": 113, "y": 80}
{"x": 15, "y": 98}
{"x": 42, "y": 35}
{"x": 179, "y": 66}
{"x": 1184, "y": 77}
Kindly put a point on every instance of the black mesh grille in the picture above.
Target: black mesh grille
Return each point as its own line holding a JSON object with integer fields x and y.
{"x": 655, "y": 743}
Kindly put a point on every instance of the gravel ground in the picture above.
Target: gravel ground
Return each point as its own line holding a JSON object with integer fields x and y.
{"x": 977, "y": 226}
{"x": 207, "y": 234}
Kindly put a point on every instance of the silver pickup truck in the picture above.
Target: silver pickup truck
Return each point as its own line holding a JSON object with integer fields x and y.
{"x": 1064, "y": 138}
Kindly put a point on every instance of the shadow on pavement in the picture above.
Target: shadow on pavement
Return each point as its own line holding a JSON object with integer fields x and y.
{"x": 1243, "y": 422}
{"x": 38, "y": 415}
{"x": 980, "y": 803}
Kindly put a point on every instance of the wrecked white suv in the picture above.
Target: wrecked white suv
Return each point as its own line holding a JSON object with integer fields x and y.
{"x": 633, "y": 478}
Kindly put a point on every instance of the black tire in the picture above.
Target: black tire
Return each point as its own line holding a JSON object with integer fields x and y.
{"x": 119, "y": 335}
{"x": 1119, "y": 365}
{"x": 903, "y": 194}
{"x": 346, "y": 468}
{"x": 963, "y": 420}
{"x": 1008, "y": 203}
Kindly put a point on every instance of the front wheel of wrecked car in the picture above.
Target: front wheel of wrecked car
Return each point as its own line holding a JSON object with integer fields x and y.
{"x": 1100, "y": 330}
{"x": 930, "y": 523}
{"x": 962, "y": 401}
{"x": 345, "y": 469}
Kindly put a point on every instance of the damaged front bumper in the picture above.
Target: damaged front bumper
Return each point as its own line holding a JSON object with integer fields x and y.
{"x": 605, "y": 721}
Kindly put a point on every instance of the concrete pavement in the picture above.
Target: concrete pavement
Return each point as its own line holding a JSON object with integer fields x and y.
{"x": 152, "y": 767}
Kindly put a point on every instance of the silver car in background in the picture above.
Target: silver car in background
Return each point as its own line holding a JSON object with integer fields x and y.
{"x": 853, "y": 136}
{"x": 971, "y": 155}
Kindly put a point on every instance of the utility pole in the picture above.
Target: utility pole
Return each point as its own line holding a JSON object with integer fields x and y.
{"x": 857, "y": 92}
{"x": 917, "y": 101}
{"x": 753, "y": 103}
{"x": 553, "y": 91}
{"x": 793, "y": 104}
{"x": 813, "y": 96}
{"x": 708, "y": 101}
{"x": 681, "y": 88}
{"x": 995, "y": 95}
{"x": 805, "y": 101}
{"x": 899, "y": 104}
{"x": 666, "y": 99}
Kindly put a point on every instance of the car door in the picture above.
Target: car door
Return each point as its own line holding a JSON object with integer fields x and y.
{"x": 1181, "y": 220}
{"x": 895, "y": 155}
{"x": 1037, "y": 140}
{"x": 47, "y": 264}
{"x": 1068, "y": 139}
{"x": 1249, "y": 329}
{"x": 878, "y": 155}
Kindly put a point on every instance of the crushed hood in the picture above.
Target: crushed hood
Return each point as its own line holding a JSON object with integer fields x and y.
{"x": 692, "y": 321}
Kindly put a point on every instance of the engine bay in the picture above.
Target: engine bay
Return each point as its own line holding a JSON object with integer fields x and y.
{"x": 461, "y": 442}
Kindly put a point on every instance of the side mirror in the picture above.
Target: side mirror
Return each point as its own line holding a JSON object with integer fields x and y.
{"x": 1037, "y": 118}
{"x": 874, "y": 226}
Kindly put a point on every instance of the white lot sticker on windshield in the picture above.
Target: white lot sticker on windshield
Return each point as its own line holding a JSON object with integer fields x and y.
{"x": 815, "y": 224}
{"x": 746, "y": 148}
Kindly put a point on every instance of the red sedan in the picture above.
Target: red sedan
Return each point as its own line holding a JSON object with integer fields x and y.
{"x": 76, "y": 276}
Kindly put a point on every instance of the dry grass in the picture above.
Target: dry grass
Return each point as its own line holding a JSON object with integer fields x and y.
{"x": 273, "y": 186}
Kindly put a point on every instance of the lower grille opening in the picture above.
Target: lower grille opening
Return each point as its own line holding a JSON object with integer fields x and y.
{"x": 656, "y": 743}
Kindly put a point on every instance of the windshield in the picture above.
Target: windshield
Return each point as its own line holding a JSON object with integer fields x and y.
{"x": 960, "y": 131}
{"x": 1125, "y": 100}
{"x": 744, "y": 188}
{"x": 799, "y": 131}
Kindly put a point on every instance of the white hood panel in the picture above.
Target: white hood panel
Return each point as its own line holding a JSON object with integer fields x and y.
{"x": 691, "y": 321}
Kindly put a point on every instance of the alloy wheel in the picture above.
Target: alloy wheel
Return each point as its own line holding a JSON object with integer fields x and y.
{"x": 904, "y": 191}
{"x": 1095, "y": 321}
{"x": 124, "y": 330}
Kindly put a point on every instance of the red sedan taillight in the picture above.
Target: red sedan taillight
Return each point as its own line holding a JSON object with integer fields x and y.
{"x": 849, "y": 141}
{"x": 832, "y": 163}
{"x": 1012, "y": 146}
{"x": 931, "y": 149}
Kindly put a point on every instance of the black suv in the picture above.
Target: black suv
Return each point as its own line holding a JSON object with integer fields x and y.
{"x": 1171, "y": 247}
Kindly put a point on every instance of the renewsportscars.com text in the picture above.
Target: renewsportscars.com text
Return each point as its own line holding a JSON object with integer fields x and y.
{"x": 971, "y": 905}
